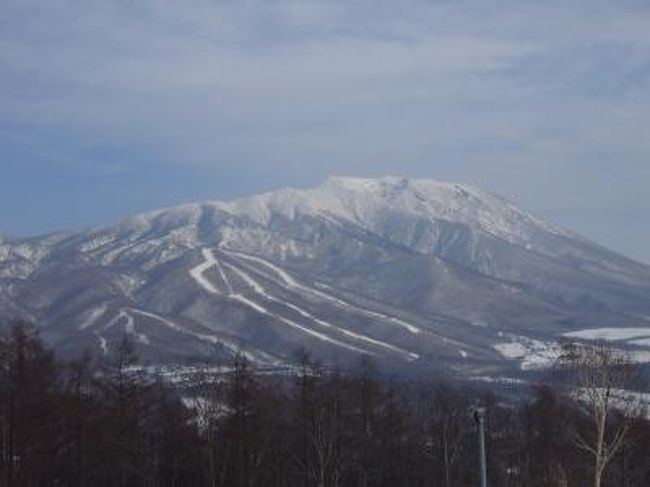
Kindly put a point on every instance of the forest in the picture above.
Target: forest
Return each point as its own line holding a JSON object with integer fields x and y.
{"x": 103, "y": 421}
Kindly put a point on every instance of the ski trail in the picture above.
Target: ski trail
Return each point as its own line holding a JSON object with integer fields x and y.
{"x": 211, "y": 260}
{"x": 129, "y": 326}
{"x": 409, "y": 355}
{"x": 293, "y": 324}
{"x": 116, "y": 319}
{"x": 258, "y": 288}
{"x": 305, "y": 314}
{"x": 284, "y": 275}
{"x": 103, "y": 344}
{"x": 411, "y": 328}
{"x": 215, "y": 340}
{"x": 197, "y": 272}
{"x": 293, "y": 283}
{"x": 222, "y": 274}
{"x": 94, "y": 316}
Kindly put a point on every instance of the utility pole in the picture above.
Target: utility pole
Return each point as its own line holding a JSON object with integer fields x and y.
{"x": 479, "y": 417}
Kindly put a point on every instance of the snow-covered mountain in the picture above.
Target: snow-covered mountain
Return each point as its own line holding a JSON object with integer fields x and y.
{"x": 416, "y": 273}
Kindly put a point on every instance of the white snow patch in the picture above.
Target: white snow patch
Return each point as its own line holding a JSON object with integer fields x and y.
{"x": 498, "y": 380}
{"x": 197, "y": 272}
{"x": 612, "y": 334}
{"x": 103, "y": 344}
{"x": 639, "y": 357}
{"x": 94, "y": 315}
{"x": 532, "y": 354}
{"x": 636, "y": 336}
{"x": 633, "y": 402}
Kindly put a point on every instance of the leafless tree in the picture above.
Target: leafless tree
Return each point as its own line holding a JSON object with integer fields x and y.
{"x": 601, "y": 375}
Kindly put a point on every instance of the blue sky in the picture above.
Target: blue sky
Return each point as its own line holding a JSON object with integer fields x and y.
{"x": 110, "y": 108}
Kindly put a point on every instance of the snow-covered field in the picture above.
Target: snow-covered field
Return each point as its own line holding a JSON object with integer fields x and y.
{"x": 611, "y": 334}
{"x": 638, "y": 337}
{"x": 532, "y": 354}
{"x": 536, "y": 354}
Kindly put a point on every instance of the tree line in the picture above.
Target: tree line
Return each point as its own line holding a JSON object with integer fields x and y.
{"x": 91, "y": 422}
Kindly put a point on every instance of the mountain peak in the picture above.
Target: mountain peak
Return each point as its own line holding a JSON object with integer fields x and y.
{"x": 372, "y": 203}
{"x": 360, "y": 184}
{"x": 363, "y": 184}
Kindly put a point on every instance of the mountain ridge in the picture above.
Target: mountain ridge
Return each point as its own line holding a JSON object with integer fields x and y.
{"x": 351, "y": 266}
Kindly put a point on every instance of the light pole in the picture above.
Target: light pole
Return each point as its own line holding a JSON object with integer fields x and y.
{"x": 479, "y": 417}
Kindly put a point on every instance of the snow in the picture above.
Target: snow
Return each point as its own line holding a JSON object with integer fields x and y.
{"x": 629, "y": 401}
{"x": 144, "y": 339}
{"x": 225, "y": 279}
{"x": 612, "y": 334}
{"x": 32, "y": 253}
{"x": 129, "y": 325}
{"x": 93, "y": 316}
{"x": 499, "y": 380}
{"x": 98, "y": 242}
{"x": 534, "y": 354}
{"x": 366, "y": 201}
{"x": 293, "y": 283}
{"x": 257, "y": 288}
{"x": 362, "y": 201}
{"x": 411, "y": 328}
{"x": 635, "y": 336}
{"x": 127, "y": 284}
{"x": 531, "y": 353}
{"x": 639, "y": 357}
{"x": 121, "y": 315}
{"x": 289, "y": 281}
{"x": 215, "y": 340}
{"x": 103, "y": 344}
{"x": 325, "y": 324}
{"x": 197, "y": 272}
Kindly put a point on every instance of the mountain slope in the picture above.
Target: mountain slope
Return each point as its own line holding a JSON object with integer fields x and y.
{"x": 417, "y": 273}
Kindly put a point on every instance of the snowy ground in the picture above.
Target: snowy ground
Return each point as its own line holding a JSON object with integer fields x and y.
{"x": 532, "y": 354}
{"x": 536, "y": 354}
{"x": 632, "y": 336}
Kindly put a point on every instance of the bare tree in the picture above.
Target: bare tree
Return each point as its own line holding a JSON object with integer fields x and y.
{"x": 601, "y": 375}
{"x": 450, "y": 413}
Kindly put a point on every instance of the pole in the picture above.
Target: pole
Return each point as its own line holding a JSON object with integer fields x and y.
{"x": 479, "y": 417}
